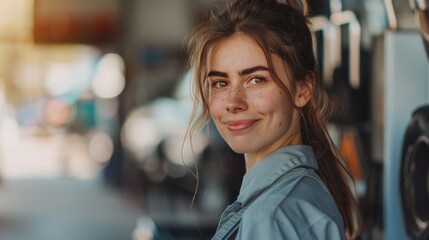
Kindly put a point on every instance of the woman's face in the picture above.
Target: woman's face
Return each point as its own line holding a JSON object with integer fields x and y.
{"x": 249, "y": 109}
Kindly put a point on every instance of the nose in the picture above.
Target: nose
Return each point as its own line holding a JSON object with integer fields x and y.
{"x": 236, "y": 100}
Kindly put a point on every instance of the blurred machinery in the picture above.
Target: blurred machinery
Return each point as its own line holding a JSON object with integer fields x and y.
{"x": 414, "y": 181}
{"x": 400, "y": 92}
{"x": 414, "y": 175}
{"x": 395, "y": 192}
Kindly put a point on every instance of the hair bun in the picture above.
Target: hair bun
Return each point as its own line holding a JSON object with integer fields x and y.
{"x": 300, "y": 5}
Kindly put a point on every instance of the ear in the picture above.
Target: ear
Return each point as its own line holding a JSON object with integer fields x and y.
{"x": 304, "y": 91}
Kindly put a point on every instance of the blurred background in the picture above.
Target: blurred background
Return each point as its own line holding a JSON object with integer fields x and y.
{"x": 94, "y": 105}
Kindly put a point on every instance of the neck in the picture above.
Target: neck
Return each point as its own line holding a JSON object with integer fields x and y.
{"x": 253, "y": 158}
{"x": 250, "y": 160}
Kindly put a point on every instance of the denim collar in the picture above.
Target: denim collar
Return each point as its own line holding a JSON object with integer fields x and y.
{"x": 266, "y": 172}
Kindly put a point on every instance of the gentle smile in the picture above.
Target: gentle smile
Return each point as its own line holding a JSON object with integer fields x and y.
{"x": 241, "y": 125}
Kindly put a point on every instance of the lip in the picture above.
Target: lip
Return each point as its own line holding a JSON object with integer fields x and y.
{"x": 239, "y": 125}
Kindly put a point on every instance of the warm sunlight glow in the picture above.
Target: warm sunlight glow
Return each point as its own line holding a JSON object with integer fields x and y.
{"x": 15, "y": 19}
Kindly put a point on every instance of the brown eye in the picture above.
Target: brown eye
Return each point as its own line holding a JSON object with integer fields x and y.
{"x": 255, "y": 80}
{"x": 219, "y": 84}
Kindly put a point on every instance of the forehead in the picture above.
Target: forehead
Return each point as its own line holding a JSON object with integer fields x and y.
{"x": 238, "y": 50}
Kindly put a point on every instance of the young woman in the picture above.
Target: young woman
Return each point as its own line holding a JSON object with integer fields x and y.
{"x": 256, "y": 78}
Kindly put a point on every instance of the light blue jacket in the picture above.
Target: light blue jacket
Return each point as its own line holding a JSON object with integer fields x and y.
{"x": 282, "y": 197}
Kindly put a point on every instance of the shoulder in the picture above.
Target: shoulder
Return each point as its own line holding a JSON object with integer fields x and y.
{"x": 298, "y": 205}
{"x": 301, "y": 187}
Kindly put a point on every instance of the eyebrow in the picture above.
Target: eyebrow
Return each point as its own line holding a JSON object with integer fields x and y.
{"x": 241, "y": 73}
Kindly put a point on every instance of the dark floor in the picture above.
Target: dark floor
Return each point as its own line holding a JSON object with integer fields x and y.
{"x": 64, "y": 209}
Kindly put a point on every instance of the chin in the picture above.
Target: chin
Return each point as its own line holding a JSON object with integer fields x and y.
{"x": 240, "y": 149}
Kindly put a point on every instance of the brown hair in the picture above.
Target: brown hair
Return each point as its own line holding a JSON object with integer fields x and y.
{"x": 281, "y": 29}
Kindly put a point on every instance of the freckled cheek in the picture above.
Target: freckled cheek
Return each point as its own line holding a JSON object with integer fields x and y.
{"x": 268, "y": 101}
{"x": 275, "y": 105}
{"x": 283, "y": 120}
{"x": 216, "y": 111}
{"x": 216, "y": 105}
